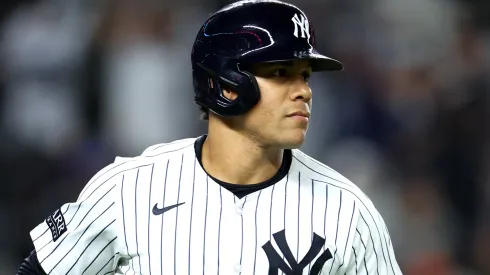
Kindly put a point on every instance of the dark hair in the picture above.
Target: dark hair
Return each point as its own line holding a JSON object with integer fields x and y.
{"x": 204, "y": 113}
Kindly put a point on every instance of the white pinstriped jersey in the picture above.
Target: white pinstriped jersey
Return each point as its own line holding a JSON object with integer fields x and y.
{"x": 313, "y": 221}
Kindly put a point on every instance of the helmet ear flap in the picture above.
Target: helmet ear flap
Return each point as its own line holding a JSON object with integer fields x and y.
{"x": 245, "y": 85}
{"x": 215, "y": 88}
{"x": 211, "y": 91}
{"x": 253, "y": 82}
{"x": 219, "y": 90}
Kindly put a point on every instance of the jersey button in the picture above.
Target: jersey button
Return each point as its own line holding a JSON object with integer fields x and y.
{"x": 238, "y": 268}
{"x": 239, "y": 210}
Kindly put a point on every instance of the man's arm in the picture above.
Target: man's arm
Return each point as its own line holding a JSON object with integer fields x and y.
{"x": 79, "y": 237}
{"x": 372, "y": 250}
{"x": 31, "y": 266}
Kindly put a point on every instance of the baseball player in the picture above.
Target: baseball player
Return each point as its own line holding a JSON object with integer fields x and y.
{"x": 241, "y": 199}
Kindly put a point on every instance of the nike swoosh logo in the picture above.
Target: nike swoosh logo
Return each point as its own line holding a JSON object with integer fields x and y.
{"x": 158, "y": 211}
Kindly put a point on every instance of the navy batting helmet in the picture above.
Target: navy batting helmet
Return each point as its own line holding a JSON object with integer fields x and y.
{"x": 245, "y": 33}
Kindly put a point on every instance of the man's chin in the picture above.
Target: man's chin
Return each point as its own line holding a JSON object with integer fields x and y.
{"x": 294, "y": 142}
{"x": 291, "y": 147}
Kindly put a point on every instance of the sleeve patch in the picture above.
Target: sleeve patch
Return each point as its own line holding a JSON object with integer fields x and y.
{"x": 56, "y": 223}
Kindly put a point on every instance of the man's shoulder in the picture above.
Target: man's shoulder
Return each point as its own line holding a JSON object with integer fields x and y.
{"x": 151, "y": 156}
{"x": 319, "y": 171}
{"x": 154, "y": 153}
{"x": 169, "y": 147}
{"x": 322, "y": 174}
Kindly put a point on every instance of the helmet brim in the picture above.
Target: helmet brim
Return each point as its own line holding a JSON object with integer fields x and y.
{"x": 321, "y": 62}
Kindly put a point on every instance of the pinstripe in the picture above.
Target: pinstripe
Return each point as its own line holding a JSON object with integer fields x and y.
{"x": 177, "y": 216}
{"x": 299, "y": 204}
{"x": 190, "y": 222}
{"x": 256, "y": 225}
{"x": 120, "y": 164}
{"x": 120, "y": 172}
{"x": 285, "y": 199}
{"x": 50, "y": 241}
{"x": 374, "y": 247}
{"x": 241, "y": 216}
{"x": 387, "y": 251}
{"x": 219, "y": 223}
{"x": 66, "y": 210}
{"x": 79, "y": 204}
{"x": 89, "y": 245}
{"x": 205, "y": 225}
{"x": 172, "y": 151}
{"x": 315, "y": 161}
{"x": 348, "y": 234}
{"x": 107, "y": 172}
{"x": 72, "y": 217}
{"x": 95, "y": 180}
{"x": 124, "y": 222}
{"x": 102, "y": 268}
{"x": 149, "y": 210}
{"x": 270, "y": 215}
{"x": 312, "y": 212}
{"x": 52, "y": 251}
{"x": 163, "y": 203}
{"x": 78, "y": 239}
{"x": 311, "y": 169}
{"x": 96, "y": 257}
{"x": 365, "y": 249}
{"x": 285, "y": 202}
{"x": 336, "y": 233}
{"x": 355, "y": 257}
{"x": 168, "y": 144}
{"x": 136, "y": 218}
{"x": 389, "y": 242}
{"x": 325, "y": 215}
{"x": 374, "y": 221}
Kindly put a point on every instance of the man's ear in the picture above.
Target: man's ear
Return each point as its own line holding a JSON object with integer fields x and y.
{"x": 226, "y": 93}
{"x": 230, "y": 94}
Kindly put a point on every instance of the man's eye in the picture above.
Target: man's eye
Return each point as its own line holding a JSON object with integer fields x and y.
{"x": 306, "y": 76}
{"x": 280, "y": 73}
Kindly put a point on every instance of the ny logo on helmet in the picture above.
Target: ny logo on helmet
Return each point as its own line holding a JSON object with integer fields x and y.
{"x": 301, "y": 24}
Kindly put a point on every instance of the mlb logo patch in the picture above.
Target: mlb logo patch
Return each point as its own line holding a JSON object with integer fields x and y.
{"x": 56, "y": 223}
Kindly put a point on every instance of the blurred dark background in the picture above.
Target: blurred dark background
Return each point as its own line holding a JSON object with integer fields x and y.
{"x": 82, "y": 81}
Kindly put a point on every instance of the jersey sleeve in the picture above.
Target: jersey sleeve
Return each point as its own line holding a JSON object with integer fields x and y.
{"x": 82, "y": 237}
{"x": 372, "y": 250}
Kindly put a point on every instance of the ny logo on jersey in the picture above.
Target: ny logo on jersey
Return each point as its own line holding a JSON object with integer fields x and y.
{"x": 276, "y": 262}
{"x": 301, "y": 23}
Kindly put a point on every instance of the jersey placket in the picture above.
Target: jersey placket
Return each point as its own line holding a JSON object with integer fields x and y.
{"x": 239, "y": 205}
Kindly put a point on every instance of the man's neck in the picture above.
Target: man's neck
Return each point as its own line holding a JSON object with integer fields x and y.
{"x": 235, "y": 158}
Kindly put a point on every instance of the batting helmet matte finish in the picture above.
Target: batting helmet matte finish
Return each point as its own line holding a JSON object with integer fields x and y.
{"x": 244, "y": 33}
